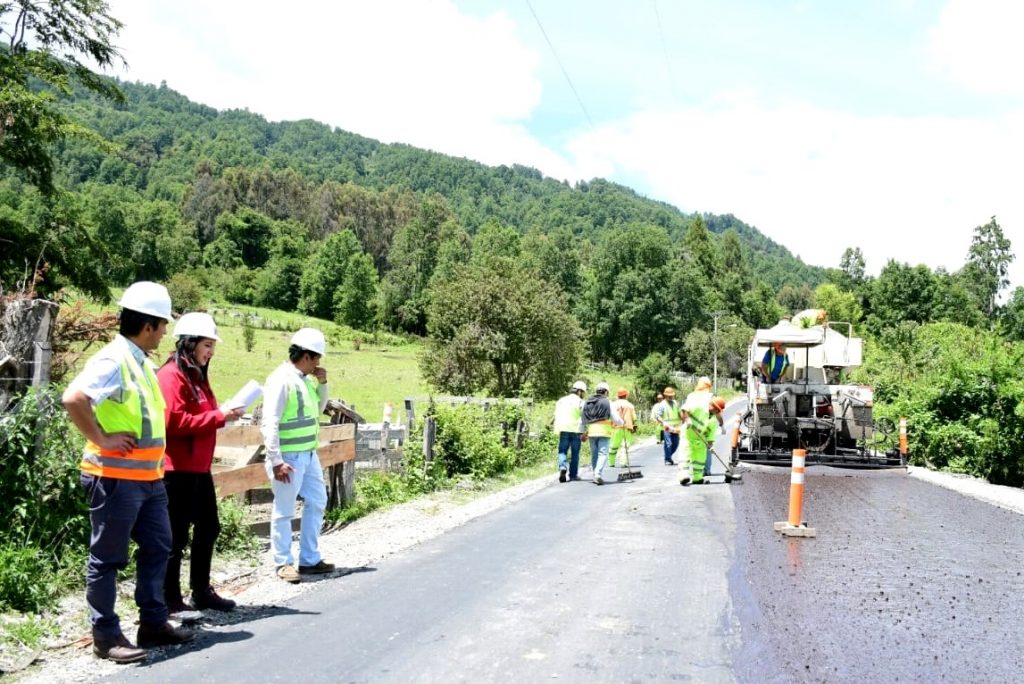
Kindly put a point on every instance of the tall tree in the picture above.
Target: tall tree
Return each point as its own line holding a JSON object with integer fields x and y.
{"x": 988, "y": 262}
{"x": 501, "y": 330}
{"x": 852, "y": 266}
{"x": 61, "y": 33}
{"x": 325, "y": 273}
{"x": 356, "y": 301}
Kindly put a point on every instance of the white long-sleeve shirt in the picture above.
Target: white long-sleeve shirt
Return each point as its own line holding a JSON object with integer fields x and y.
{"x": 275, "y": 396}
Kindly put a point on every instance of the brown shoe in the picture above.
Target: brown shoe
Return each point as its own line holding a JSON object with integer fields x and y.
{"x": 118, "y": 650}
{"x": 288, "y": 574}
{"x": 321, "y": 568}
{"x": 162, "y": 635}
{"x": 209, "y": 599}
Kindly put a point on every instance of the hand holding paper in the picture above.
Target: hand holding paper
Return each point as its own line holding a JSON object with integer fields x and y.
{"x": 244, "y": 397}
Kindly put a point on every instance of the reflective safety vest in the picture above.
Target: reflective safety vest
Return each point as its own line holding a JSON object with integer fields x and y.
{"x": 670, "y": 414}
{"x": 568, "y": 413}
{"x": 300, "y": 428}
{"x": 599, "y": 428}
{"x": 772, "y": 358}
{"x": 140, "y": 412}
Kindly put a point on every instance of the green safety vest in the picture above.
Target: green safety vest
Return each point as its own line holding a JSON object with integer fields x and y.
{"x": 568, "y": 414}
{"x": 141, "y": 413}
{"x": 670, "y": 416}
{"x": 300, "y": 429}
{"x": 771, "y": 364}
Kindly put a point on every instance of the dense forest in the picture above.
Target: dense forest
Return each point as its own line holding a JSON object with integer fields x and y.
{"x": 513, "y": 279}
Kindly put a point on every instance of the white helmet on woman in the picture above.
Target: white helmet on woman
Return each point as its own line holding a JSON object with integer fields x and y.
{"x": 196, "y": 324}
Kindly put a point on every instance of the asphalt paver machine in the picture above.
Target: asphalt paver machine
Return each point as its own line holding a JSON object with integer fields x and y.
{"x": 813, "y": 406}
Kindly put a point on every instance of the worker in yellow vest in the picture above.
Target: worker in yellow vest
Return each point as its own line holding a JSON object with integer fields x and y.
{"x": 115, "y": 402}
{"x": 666, "y": 414}
{"x": 294, "y": 396}
{"x": 569, "y": 428}
{"x": 600, "y": 420}
{"x": 622, "y": 435}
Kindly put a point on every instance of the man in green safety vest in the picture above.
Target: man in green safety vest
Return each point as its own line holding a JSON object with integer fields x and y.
{"x": 569, "y": 427}
{"x": 295, "y": 395}
{"x": 775, "y": 362}
{"x": 116, "y": 403}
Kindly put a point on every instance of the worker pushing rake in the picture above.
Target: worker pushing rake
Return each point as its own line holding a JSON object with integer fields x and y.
{"x": 701, "y": 419}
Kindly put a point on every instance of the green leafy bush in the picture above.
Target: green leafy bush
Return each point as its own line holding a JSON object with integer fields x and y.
{"x": 27, "y": 579}
{"x": 236, "y": 537}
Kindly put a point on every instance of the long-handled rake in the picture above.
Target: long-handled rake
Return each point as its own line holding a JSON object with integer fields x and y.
{"x": 630, "y": 474}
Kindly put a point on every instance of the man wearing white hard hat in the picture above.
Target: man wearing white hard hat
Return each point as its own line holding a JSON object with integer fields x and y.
{"x": 115, "y": 402}
{"x": 599, "y": 420}
{"x": 193, "y": 418}
{"x": 293, "y": 399}
{"x": 569, "y": 426}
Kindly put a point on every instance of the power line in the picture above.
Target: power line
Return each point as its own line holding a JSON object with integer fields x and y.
{"x": 664, "y": 52}
{"x": 560, "y": 65}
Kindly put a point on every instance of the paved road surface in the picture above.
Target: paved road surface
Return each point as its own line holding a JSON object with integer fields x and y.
{"x": 649, "y": 581}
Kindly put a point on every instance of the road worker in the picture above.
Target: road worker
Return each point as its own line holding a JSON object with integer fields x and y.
{"x": 774, "y": 363}
{"x": 701, "y": 430}
{"x": 666, "y": 414}
{"x": 599, "y": 420}
{"x": 569, "y": 427}
{"x": 294, "y": 397}
{"x": 622, "y": 435}
{"x": 657, "y": 400}
{"x": 115, "y": 402}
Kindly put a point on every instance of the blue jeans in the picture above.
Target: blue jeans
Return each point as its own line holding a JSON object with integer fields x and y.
{"x": 670, "y": 442}
{"x": 569, "y": 443}
{"x": 599, "y": 454}
{"x": 120, "y": 510}
{"x": 307, "y": 481}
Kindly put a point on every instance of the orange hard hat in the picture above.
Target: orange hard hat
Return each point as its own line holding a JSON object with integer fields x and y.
{"x": 622, "y": 393}
{"x": 717, "y": 404}
{"x": 669, "y": 392}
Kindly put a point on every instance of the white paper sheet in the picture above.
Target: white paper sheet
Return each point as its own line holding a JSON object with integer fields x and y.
{"x": 245, "y": 396}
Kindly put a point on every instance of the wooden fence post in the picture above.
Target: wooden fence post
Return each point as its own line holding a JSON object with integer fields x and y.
{"x": 429, "y": 432}
{"x": 26, "y": 333}
{"x": 410, "y": 413}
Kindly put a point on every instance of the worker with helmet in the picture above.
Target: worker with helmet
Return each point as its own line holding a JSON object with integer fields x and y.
{"x": 115, "y": 402}
{"x": 622, "y": 435}
{"x": 294, "y": 396}
{"x": 666, "y": 414}
{"x": 599, "y": 420}
{"x": 193, "y": 418}
{"x": 774, "y": 363}
{"x": 569, "y": 427}
{"x": 701, "y": 429}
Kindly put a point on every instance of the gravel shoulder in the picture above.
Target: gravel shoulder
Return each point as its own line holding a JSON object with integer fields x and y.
{"x": 259, "y": 593}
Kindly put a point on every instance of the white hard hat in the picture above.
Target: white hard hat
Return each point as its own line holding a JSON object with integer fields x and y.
{"x": 579, "y": 385}
{"x": 148, "y": 298}
{"x": 196, "y": 324}
{"x": 602, "y": 386}
{"x": 310, "y": 339}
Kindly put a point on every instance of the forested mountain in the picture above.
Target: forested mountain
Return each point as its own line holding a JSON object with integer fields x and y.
{"x": 168, "y": 143}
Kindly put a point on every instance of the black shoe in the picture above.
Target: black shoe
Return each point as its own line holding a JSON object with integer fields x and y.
{"x": 670, "y": 462}
{"x": 117, "y": 649}
{"x": 210, "y": 599}
{"x": 321, "y": 568}
{"x": 162, "y": 635}
{"x": 561, "y": 476}
{"x": 177, "y": 605}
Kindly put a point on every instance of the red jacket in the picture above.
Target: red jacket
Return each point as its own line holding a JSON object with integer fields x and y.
{"x": 192, "y": 422}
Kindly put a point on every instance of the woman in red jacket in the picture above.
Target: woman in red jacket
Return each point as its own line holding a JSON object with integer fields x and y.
{"x": 193, "y": 418}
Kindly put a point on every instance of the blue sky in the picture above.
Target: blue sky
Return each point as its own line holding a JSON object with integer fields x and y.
{"x": 893, "y": 126}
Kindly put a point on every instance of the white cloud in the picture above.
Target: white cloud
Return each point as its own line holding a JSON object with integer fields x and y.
{"x": 819, "y": 181}
{"x": 413, "y": 72}
{"x": 977, "y": 43}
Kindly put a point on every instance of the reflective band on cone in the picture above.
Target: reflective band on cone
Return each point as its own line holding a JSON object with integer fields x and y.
{"x": 796, "y": 487}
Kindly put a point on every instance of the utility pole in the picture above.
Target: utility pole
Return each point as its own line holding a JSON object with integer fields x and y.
{"x": 714, "y": 343}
